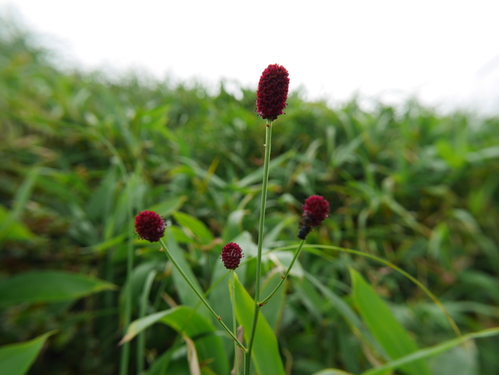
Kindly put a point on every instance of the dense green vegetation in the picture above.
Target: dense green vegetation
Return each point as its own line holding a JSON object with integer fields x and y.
{"x": 417, "y": 188}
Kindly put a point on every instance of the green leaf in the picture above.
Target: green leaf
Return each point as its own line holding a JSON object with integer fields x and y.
{"x": 256, "y": 175}
{"x": 22, "y": 195}
{"x": 430, "y": 352}
{"x": 17, "y": 229}
{"x": 101, "y": 201}
{"x": 274, "y": 307}
{"x": 266, "y": 357}
{"x": 186, "y": 294}
{"x": 167, "y": 207}
{"x": 196, "y": 227}
{"x": 332, "y": 371}
{"x": 313, "y": 301}
{"x": 384, "y": 327}
{"x": 347, "y": 313}
{"x": 233, "y": 225}
{"x": 185, "y": 320}
{"x": 49, "y": 286}
{"x": 16, "y": 359}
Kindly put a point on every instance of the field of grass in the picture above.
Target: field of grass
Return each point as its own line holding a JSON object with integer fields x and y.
{"x": 414, "y": 187}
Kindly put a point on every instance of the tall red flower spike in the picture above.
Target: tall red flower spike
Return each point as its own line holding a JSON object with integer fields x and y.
{"x": 272, "y": 92}
{"x": 315, "y": 210}
{"x": 231, "y": 255}
{"x": 149, "y": 226}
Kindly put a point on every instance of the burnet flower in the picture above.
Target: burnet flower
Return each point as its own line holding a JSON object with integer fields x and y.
{"x": 231, "y": 255}
{"x": 272, "y": 92}
{"x": 149, "y": 226}
{"x": 315, "y": 210}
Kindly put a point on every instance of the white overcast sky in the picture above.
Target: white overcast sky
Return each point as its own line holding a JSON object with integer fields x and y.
{"x": 444, "y": 52}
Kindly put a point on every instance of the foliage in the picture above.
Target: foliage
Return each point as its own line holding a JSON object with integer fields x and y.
{"x": 417, "y": 188}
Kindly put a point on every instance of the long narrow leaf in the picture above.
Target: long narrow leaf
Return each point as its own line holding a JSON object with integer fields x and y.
{"x": 266, "y": 357}
{"x": 22, "y": 196}
{"x": 185, "y": 320}
{"x": 347, "y": 313}
{"x": 431, "y": 351}
{"x": 385, "y": 328}
{"x": 16, "y": 359}
{"x": 49, "y": 286}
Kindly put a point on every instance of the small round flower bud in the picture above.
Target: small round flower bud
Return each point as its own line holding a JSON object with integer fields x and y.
{"x": 272, "y": 92}
{"x": 315, "y": 210}
{"x": 231, "y": 255}
{"x": 149, "y": 226}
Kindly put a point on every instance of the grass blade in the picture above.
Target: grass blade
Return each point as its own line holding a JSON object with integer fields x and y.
{"x": 431, "y": 351}
{"x": 16, "y": 359}
{"x": 385, "y": 328}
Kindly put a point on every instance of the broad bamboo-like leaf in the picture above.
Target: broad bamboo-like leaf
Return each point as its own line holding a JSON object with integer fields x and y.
{"x": 167, "y": 207}
{"x": 385, "y": 328}
{"x": 266, "y": 357}
{"x": 16, "y": 359}
{"x": 185, "y": 320}
{"x": 198, "y": 229}
{"x": 49, "y": 286}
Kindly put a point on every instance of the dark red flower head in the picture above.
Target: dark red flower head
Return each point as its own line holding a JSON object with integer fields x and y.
{"x": 272, "y": 92}
{"x": 149, "y": 226}
{"x": 231, "y": 255}
{"x": 315, "y": 210}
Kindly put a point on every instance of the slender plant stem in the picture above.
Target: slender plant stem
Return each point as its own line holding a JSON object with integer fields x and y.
{"x": 266, "y": 162}
{"x": 234, "y": 320}
{"x": 283, "y": 277}
{"x": 200, "y": 296}
{"x": 125, "y": 353}
{"x": 141, "y": 344}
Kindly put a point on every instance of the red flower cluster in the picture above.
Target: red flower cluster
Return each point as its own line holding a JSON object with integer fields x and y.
{"x": 315, "y": 210}
{"x": 231, "y": 255}
{"x": 149, "y": 226}
{"x": 272, "y": 92}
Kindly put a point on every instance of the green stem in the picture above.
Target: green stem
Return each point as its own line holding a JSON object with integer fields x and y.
{"x": 283, "y": 278}
{"x": 266, "y": 162}
{"x": 234, "y": 321}
{"x": 125, "y": 353}
{"x": 200, "y": 296}
{"x": 141, "y": 344}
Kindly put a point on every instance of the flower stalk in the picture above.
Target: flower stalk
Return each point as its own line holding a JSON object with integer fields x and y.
{"x": 315, "y": 210}
{"x": 234, "y": 320}
{"x": 200, "y": 296}
{"x": 125, "y": 351}
{"x": 266, "y": 162}
{"x": 284, "y": 277}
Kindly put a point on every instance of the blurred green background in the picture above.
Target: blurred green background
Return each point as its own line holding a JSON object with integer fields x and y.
{"x": 415, "y": 187}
